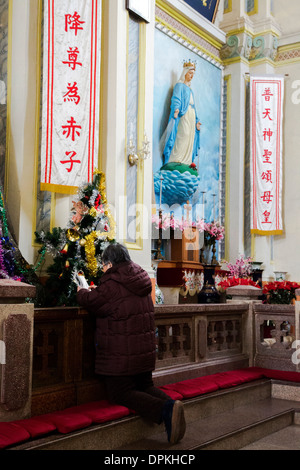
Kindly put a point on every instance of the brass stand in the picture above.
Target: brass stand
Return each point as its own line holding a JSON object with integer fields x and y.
{"x": 158, "y": 255}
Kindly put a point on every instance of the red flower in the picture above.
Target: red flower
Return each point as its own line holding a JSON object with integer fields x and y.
{"x": 280, "y": 285}
{"x": 236, "y": 281}
{"x": 280, "y": 292}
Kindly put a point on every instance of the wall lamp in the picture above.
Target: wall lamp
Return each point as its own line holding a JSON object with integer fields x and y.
{"x": 135, "y": 155}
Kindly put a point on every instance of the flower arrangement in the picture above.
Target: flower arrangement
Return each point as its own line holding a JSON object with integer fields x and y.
{"x": 213, "y": 231}
{"x": 242, "y": 267}
{"x": 166, "y": 221}
{"x": 280, "y": 292}
{"x": 235, "y": 281}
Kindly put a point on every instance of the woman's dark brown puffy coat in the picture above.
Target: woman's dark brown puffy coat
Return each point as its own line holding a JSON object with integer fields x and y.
{"x": 125, "y": 329}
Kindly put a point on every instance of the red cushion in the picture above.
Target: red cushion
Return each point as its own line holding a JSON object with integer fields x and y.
{"x": 36, "y": 427}
{"x": 66, "y": 421}
{"x": 193, "y": 387}
{"x": 11, "y": 433}
{"x": 102, "y": 411}
{"x": 251, "y": 373}
{"x": 224, "y": 379}
{"x": 235, "y": 377}
{"x": 289, "y": 376}
{"x": 171, "y": 393}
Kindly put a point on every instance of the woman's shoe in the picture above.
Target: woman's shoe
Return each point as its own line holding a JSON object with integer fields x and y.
{"x": 173, "y": 417}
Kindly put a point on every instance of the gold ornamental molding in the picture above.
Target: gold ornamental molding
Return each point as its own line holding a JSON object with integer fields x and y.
{"x": 177, "y": 26}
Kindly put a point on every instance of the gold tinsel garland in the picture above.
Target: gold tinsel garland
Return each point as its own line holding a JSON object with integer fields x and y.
{"x": 90, "y": 249}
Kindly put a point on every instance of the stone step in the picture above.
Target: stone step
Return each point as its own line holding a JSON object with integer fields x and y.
{"x": 126, "y": 431}
{"x": 230, "y": 430}
{"x": 284, "y": 439}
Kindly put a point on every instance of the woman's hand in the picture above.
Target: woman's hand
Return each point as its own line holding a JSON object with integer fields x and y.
{"x": 176, "y": 113}
{"x": 198, "y": 125}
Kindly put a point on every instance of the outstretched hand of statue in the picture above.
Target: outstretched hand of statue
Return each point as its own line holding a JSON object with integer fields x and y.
{"x": 198, "y": 125}
{"x": 176, "y": 113}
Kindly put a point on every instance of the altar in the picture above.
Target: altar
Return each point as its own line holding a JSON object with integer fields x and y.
{"x": 181, "y": 274}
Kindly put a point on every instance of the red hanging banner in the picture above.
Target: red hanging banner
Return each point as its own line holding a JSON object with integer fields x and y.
{"x": 266, "y": 154}
{"x": 71, "y": 94}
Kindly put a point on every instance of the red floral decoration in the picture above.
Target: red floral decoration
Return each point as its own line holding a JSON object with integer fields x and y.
{"x": 280, "y": 292}
{"x": 236, "y": 281}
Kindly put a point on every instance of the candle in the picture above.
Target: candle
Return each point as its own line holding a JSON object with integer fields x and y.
{"x": 160, "y": 195}
{"x": 203, "y": 216}
{"x": 214, "y": 212}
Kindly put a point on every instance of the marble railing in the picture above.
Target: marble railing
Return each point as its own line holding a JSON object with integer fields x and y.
{"x": 191, "y": 340}
{"x": 276, "y": 336}
{"x": 199, "y": 335}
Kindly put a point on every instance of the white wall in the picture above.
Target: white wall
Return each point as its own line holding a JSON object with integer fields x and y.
{"x": 22, "y": 101}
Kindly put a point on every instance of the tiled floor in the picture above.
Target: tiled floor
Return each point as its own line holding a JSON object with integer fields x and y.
{"x": 286, "y": 439}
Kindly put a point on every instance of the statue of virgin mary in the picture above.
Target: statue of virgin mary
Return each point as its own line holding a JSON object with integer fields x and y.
{"x": 183, "y": 132}
{"x": 177, "y": 181}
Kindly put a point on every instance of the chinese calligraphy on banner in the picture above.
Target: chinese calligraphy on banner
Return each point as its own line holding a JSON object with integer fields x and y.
{"x": 71, "y": 94}
{"x": 266, "y": 154}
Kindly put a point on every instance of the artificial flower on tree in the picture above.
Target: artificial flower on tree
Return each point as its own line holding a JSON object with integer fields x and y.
{"x": 280, "y": 292}
{"x": 77, "y": 249}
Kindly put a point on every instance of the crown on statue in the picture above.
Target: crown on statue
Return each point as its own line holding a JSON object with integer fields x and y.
{"x": 189, "y": 63}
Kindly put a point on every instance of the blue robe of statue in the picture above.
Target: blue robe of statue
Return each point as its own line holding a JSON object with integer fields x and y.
{"x": 180, "y": 100}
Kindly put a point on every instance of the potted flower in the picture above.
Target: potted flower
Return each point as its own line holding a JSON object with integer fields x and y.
{"x": 280, "y": 292}
{"x": 224, "y": 284}
{"x": 235, "y": 281}
{"x": 213, "y": 232}
{"x": 241, "y": 269}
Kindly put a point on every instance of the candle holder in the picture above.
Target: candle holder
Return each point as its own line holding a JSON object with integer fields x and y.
{"x": 158, "y": 254}
{"x": 135, "y": 155}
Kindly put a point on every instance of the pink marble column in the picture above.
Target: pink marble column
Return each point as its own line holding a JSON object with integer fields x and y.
{"x": 16, "y": 346}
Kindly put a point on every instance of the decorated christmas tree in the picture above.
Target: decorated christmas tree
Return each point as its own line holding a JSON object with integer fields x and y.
{"x": 77, "y": 249}
{"x": 12, "y": 263}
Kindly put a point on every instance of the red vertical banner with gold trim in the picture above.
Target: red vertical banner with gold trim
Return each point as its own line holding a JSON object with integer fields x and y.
{"x": 71, "y": 94}
{"x": 266, "y": 98}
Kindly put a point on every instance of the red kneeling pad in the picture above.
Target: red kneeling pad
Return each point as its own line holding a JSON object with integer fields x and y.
{"x": 36, "y": 427}
{"x": 102, "y": 411}
{"x": 11, "y": 433}
{"x": 192, "y": 387}
{"x": 171, "y": 393}
{"x": 235, "y": 377}
{"x": 66, "y": 421}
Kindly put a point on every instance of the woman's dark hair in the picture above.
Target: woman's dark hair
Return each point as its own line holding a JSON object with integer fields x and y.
{"x": 115, "y": 254}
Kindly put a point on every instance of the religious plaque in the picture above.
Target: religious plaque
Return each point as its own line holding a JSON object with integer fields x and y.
{"x": 206, "y": 8}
